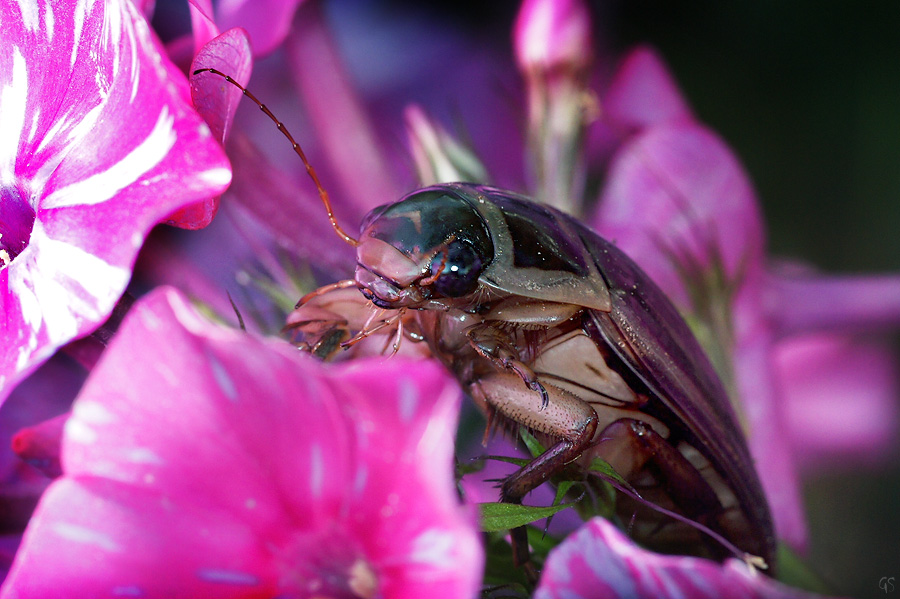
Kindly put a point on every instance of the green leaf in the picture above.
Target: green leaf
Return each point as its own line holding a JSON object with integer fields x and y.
{"x": 531, "y": 443}
{"x": 501, "y": 576}
{"x": 497, "y": 517}
{"x": 603, "y": 468}
{"x": 500, "y": 571}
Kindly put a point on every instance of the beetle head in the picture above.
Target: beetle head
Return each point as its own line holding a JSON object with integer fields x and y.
{"x": 430, "y": 245}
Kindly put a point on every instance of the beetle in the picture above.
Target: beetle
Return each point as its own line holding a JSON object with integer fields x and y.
{"x": 547, "y": 325}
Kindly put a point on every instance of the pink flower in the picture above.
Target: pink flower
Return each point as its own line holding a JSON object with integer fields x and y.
{"x": 232, "y": 466}
{"x": 100, "y": 144}
{"x": 599, "y": 562}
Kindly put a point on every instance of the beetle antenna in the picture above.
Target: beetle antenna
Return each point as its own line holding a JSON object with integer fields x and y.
{"x": 299, "y": 151}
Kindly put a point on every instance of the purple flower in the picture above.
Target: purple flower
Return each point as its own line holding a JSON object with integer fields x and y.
{"x": 267, "y": 22}
{"x": 233, "y": 466}
{"x": 100, "y": 144}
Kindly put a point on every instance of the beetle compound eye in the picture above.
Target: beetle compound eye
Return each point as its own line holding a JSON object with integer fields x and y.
{"x": 456, "y": 271}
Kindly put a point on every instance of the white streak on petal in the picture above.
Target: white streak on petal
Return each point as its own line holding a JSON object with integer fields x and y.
{"x": 35, "y": 121}
{"x": 13, "y": 97}
{"x": 79, "y": 432}
{"x": 222, "y": 378}
{"x": 409, "y": 399}
{"x": 142, "y": 455}
{"x": 360, "y": 480}
{"x": 128, "y": 591}
{"x": 104, "y": 185}
{"x": 216, "y": 176}
{"x": 30, "y": 18}
{"x": 59, "y": 286}
{"x": 77, "y": 124}
{"x": 433, "y": 547}
{"x": 151, "y": 321}
{"x": 93, "y": 412}
{"x": 48, "y": 21}
{"x": 78, "y": 21}
{"x": 81, "y": 534}
{"x": 234, "y": 577}
{"x": 27, "y": 350}
{"x": 134, "y": 67}
{"x": 316, "y": 469}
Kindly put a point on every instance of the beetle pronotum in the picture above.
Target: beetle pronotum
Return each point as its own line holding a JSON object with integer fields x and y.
{"x": 548, "y": 325}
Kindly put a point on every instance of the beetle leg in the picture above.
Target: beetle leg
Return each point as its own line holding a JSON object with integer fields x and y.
{"x": 635, "y": 450}
{"x": 325, "y": 289}
{"x": 493, "y": 344}
{"x": 326, "y": 321}
{"x": 567, "y": 418}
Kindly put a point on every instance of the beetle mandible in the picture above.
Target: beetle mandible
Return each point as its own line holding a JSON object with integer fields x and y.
{"x": 550, "y": 326}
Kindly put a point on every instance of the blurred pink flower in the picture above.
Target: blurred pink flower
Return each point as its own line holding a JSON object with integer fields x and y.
{"x": 267, "y": 22}
{"x": 677, "y": 200}
{"x": 101, "y": 144}
{"x": 233, "y": 466}
{"x": 600, "y": 562}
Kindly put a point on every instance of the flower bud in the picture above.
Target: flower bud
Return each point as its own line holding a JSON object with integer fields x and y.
{"x": 551, "y": 35}
{"x": 553, "y": 50}
{"x": 439, "y": 157}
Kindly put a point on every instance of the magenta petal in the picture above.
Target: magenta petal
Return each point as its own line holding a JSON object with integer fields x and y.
{"x": 552, "y": 34}
{"x": 676, "y": 195}
{"x": 100, "y": 145}
{"x": 599, "y": 562}
{"x": 763, "y": 412}
{"x": 39, "y": 445}
{"x": 841, "y": 400}
{"x": 266, "y": 21}
{"x": 203, "y": 26}
{"x": 337, "y": 114}
{"x": 116, "y": 529}
{"x": 231, "y": 466}
{"x": 643, "y": 93}
{"x": 214, "y": 98}
{"x": 803, "y": 301}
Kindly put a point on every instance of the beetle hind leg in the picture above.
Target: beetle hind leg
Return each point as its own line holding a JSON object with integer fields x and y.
{"x": 663, "y": 476}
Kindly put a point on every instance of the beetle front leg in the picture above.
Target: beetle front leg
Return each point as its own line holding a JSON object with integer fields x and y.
{"x": 495, "y": 345}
